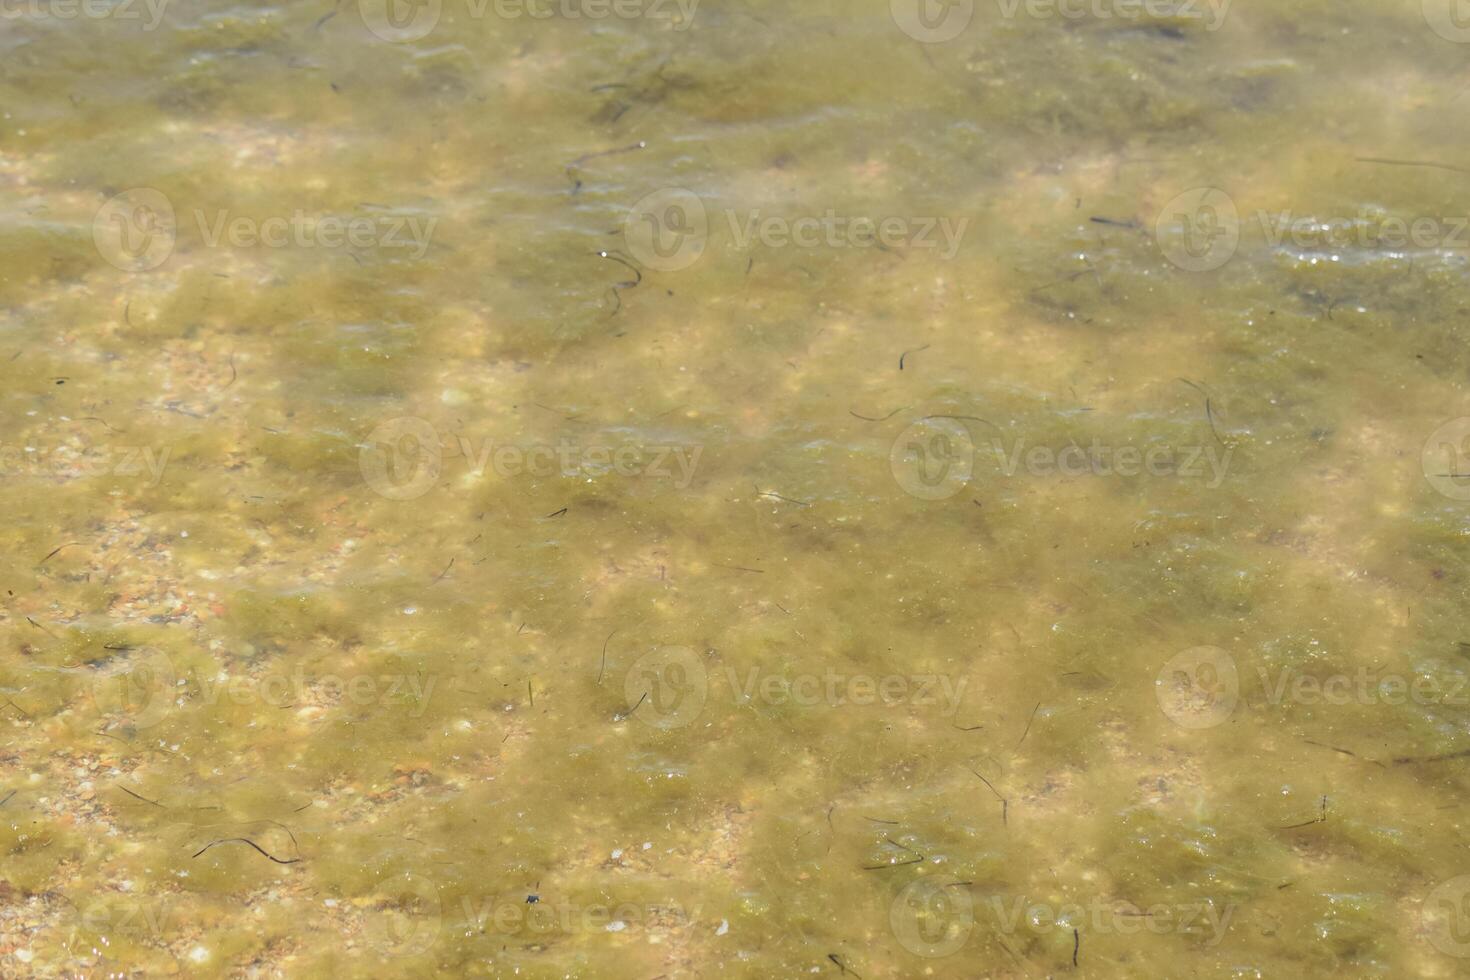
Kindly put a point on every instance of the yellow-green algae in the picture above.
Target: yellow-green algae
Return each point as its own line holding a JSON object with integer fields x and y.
{"x": 193, "y": 435}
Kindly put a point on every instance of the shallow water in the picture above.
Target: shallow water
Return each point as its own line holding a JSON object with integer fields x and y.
{"x": 734, "y": 489}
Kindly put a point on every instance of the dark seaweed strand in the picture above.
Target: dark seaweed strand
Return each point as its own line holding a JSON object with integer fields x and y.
{"x": 246, "y": 840}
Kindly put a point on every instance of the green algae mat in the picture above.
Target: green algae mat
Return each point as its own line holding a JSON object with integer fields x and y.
{"x": 693, "y": 488}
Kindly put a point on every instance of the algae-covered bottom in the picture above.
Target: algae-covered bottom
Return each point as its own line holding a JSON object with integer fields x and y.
{"x": 733, "y": 488}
